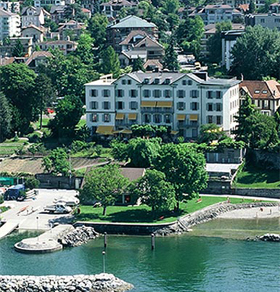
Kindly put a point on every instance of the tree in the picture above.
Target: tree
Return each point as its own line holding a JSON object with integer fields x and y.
{"x": 57, "y": 162}
{"x": 184, "y": 168}
{"x": 74, "y": 11}
{"x": 5, "y": 118}
{"x": 110, "y": 62}
{"x": 18, "y": 50}
{"x": 97, "y": 25}
{"x": 257, "y": 48}
{"x": 17, "y": 82}
{"x": 138, "y": 65}
{"x": 210, "y": 132}
{"x": 252, "y": 7}
{"x": 84, "y": 49}
{"x": 170, "y": 6}
{"x": 68, "y": 114}
{"x": 31, "y": 183}
{"x": 104, "y": 184}
{"x": 142, "y": 130}
{"x": 155, "y": 191}
{"x": 214, "y": 44}
{"x": 170, "y": 61}
{"x": 277, "y": 120}
{"x": 189, "y": 34}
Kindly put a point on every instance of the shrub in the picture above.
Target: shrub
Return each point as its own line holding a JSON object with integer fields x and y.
{"x": 31, "y": 183}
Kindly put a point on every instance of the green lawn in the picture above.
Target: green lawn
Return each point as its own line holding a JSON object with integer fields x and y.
{"x": 45, "y": 122}
{"x": 142, "y": 214}
{"x": 252, "y": 177}
{"x": 9, "y": 146}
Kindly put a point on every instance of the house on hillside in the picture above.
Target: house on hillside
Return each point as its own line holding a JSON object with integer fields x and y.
{"x": 65, "y": 46}
{"x": 265, "y": 95}
{"x": 9, "y": 24}
{"x": 36, "y": 58}
{"x": 112, "y": 8}
{"x": 33, "y": 16}
{"x": 71, "y": 28}
{"x": 33, "y": 31}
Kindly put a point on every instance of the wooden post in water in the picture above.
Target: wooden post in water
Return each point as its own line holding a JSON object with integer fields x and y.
{"x": 103, "y": 256}
{"x": 153, "y": 241}
{"x": 105, "y": 239}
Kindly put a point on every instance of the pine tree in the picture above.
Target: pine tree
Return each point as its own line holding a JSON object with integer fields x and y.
{"x": 18, "y": 50}
{"x": 110, "y": 62}
{"x": 138, "y": 65}
{"x": 5, "y": 118}
{"x": 170, "y": 61}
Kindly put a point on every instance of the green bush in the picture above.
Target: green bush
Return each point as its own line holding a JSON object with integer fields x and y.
{"x": 34, "y": 137}
{"x": 1, "y": 199}
{"x": 31, "y": 183}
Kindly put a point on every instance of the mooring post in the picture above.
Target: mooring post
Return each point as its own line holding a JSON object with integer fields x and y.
{"x": 105, "y": 239}
{"x": 153, "y": 241}
{"x": 103, "y": 255}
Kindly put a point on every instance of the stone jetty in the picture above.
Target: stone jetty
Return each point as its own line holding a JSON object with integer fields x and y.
{"x": 269, "y": 237}
{"x": 77, "y": 283}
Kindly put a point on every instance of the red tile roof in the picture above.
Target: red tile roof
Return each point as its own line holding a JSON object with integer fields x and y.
{"x": 261, "y": 89}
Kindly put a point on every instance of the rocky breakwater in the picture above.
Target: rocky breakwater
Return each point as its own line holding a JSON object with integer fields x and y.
{"x": 78, "y": 236}
{"x": 269, "y": 237}
{"x": 78, "y": 283}
{"x": 206, "y": 214}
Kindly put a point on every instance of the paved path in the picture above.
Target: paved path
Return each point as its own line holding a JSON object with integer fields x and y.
{"x": 8, "y": 227}
{"x": 242, "y": 197}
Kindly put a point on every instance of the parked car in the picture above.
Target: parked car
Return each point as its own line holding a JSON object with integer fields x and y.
{"x": 59, "y": 208}
{"x": 72, "y": 202}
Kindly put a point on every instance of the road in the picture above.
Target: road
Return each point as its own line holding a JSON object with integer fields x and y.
{"x": 29, "y": 214}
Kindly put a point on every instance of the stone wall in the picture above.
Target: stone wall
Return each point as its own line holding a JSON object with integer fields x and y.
{"x": 77, "y": 283}
{"x": 268, "y": 193}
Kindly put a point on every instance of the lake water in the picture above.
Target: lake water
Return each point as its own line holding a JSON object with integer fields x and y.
{"x": 178, "y": 263}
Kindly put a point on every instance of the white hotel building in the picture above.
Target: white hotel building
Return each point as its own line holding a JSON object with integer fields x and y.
{"x": 180, "y": 101}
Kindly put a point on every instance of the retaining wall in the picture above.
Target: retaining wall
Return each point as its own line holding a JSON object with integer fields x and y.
{"x": 268, "y": 193}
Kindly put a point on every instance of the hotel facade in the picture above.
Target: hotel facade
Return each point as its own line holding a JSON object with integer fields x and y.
{"x": 181, "y": 101}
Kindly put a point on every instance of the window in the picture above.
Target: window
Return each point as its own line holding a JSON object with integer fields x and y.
{"x": 184, "y": 82}
{"x": 262, "y": 20}
{"x": 157, "y": 93}
{"x": 167, "y": 93}
{"x": 94, "y": 105}
{"x": 147, "y": 118}
{"x": 218, "y": 107}
{"x": 209, "y": 107}
{"x": 128, "y": 82}
{"x": 106, "y": 118}
{"x": 120, "y": 105}
{"x": 146, "y": 93}
{"x": 133, "y": 105}
{"x": 94, "y": 93}
{"x": 120, "y": 93}
{"x": 189, "y": 82}
{"x": 123, "y": 82}
{"x": 218, "y": 120}
{"x": 257, "y": 91}
{"x": 218, "y": 94}
{"x": 264, "y": 91}
{"x": 209, "y": 94}
{"x": 194, "y": 93}
{"x": 106, "y": 105}
{"x": 277, "y": 19}
{"x": 181, "y": 106}
{"x": 180, "y": 93}
{"x": 95, "y": 118}
{"x": 133, "y": 93}
{"x": 157, "y": 81}
{"x": 157, "y": 118}
{"x": 167, "y": 119}
{"x": 194, "y": 106}
{"x": 209, "y": 119}
{"x": 106, "y": 93}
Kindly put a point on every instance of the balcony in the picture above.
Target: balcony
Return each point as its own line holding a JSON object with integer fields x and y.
{"x": 163, "y": 110}
{"x": 187, "y": 124}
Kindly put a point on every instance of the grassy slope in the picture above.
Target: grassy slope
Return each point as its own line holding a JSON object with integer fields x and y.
{"x": 142, "y": 214}
{"x": 252, "y": 177}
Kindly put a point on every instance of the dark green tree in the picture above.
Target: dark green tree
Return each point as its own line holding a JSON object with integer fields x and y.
{"x": 84, "y": 49}
{"x": 277, "y": 120}
{"x": 138, "y": 65}
{"x": 104, "y": 184}
{"x": 18, "y": 50}
{"x": 97, "y": 25}
{"x": 170, "y": 6}
{"x": 57, "y": 162}
{"x": 184, "y": 168}
{"x": 170, "y": 61}
{"x": 214, "y": 44}
{"x": 252, "y": 7}
{"x": 257, "y": 48}
{"x": 68, "y": 114}
{"x": 210, "y": 132}
{"x": 110, "y": 62}
{"x": 155, "y": 191}
{"x": 142, "y": 130}
{"x": 74, "y": 12}
{"x": 5, "y": 118}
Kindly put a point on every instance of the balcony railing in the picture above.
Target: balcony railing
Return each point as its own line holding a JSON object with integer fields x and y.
{"x": 157, "y": 110}
{"x": 184, "y": 124}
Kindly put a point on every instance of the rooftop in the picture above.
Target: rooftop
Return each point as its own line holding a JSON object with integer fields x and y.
{"x": 132, "y": 21}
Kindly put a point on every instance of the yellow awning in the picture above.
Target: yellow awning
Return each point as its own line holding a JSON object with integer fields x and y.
{"x": 193, "y": 117}
{"x": 126, "y": 131}
{"x": 119, "y": 116}
{"x": 105, "y": 130}
{"x": 164, "y": 103}
{"x": 174, "y": 132}
{"x": 181, "y": 117}
{"x": 132, "y": 116}
{"x": 116, "y": 132}
{"x": 148, "y": 103}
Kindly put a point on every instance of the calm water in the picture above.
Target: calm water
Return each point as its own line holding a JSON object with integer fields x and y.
{"x": 179, "y": 263}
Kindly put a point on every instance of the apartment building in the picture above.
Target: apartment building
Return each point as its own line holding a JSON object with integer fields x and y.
{"x": 181, "y": 101}
{"x": 9, "y": 24}
{"x": 13, "y": 7}
{"x": 269, "y": 20}
{"x": 265, "y": 95}
{"x": 42, "y": 3}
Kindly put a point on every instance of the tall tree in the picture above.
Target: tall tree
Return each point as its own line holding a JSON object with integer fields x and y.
{"x": 138, "y": 65}
{"x": 257, "y": 48}
{"x": 110, "y": 62}
{"x": 184, "y": 168}
{"x": 18, "y": 50}
{"x": 84, "y": 49}
{"x": 68, "y": 114}
{"x": 214, "y": 43}
{"x": 104, "y": 184}
{"x": 155, "y": 191}
{"x": 97, "y": 25}
{"x": 74, "y": 12}
{"x": 170, "y": 61}
{"x": 17, "y": 82}
{"x": 57, "y": 162}
{"x": 5, "y": 118}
